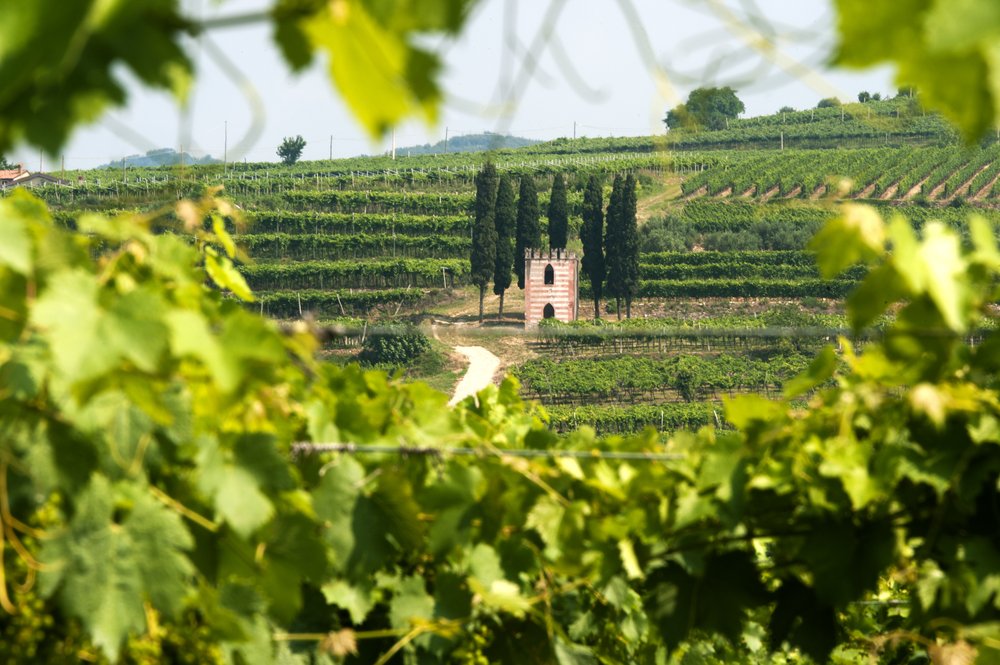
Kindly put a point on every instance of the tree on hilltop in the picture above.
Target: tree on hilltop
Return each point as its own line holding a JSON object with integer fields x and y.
{"x": 706, "y": 108}
{"x": 484, "y": 233}
{"x": 291, "y": 149}
{"x": 828, "y": 103}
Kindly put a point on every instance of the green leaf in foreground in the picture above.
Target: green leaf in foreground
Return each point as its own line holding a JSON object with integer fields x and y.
{"x": 105, "y": 567}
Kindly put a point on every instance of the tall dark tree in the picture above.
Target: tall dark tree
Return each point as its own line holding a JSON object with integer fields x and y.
{"x": 592, "y": 236}
{"x": 4, "y": 164}
{"x": 505, "y": 222}
{"x": 484, "y": 233}
{"x": 630, "y": 255}
{"x": 558, "y": 215}
{"x": 614, "y": 245}
{"x": 528, "y": 234}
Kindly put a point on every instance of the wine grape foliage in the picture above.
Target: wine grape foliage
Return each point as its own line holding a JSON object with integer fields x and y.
{"x": 151, "y": 509}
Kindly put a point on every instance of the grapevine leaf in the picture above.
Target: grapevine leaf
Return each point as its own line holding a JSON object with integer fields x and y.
{"x": 226, "y": 276}
{"x": 46, "y": 91}
{"x": 484, "y": 564}
{"x": 355, "y": 599}
{"x": 219, "y": 229}
{"x": 568, "y": 653}
{"x": 502, "y": 595}
{"x": 942, "y": 256}
{"x": 905, "y": 255}
{"x": 15, "y": 250}
{"x": 985, "y": 241}
{"x": 856, "y": 235}
{"x": 381, "y": 76}
{"x": 630, "y": 562}
{"x": 945, "y": 48}
{"x": 107, "y": 569}
{"x": 159, "y": 537}
{"x": 745, "y": 409}
{"x": 13, "y": 304}
{"x": 235, "y": 489}
{"x": 190, "y": 336}
{"x": 411, "y": 603}
{"x": 334, "y": 499}
{"x": 133, "y": 326}
{"x": 820, "y": 370}
{"x": 880, "y": 288}
{"x": 240, "y": 501}
{"x": 68, "y": 315}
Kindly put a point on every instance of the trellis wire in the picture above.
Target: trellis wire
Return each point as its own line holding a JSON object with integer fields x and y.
{"x": 306, "y": 448}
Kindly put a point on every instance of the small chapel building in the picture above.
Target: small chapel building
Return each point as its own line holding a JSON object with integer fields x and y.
{"x": 551, "y": 286}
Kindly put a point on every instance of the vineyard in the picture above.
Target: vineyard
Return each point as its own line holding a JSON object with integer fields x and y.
{"x": 379, "y": 239}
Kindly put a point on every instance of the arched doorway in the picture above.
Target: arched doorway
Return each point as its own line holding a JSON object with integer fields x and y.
{"x": 549, "y": 312}
{"x": 550, "y": 275}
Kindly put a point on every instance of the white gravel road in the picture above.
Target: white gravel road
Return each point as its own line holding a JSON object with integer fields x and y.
{"x": 482, "y": 366}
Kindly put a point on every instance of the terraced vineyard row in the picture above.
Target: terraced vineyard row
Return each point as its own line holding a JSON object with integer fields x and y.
{"x": 678, "y": 378}
{"x": 937, "y": 174}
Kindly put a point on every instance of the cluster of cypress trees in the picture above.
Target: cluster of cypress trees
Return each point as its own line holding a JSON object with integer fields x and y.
{"x": 611, "y": 257}
{"x": 503, "y": 228}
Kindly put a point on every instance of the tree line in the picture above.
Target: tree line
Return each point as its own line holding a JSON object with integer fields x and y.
{"x": 505, "y": 227}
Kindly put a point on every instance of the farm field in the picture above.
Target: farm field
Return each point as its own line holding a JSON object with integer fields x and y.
{"x": 729, "y": 301}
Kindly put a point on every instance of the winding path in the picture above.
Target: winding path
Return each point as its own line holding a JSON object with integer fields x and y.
{"x": 482, "y": 366}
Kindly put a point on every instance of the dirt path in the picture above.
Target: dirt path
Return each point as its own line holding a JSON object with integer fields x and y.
{"x": 482, "y": 366}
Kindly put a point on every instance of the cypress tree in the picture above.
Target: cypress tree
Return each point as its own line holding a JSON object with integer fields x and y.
{"x": 614, "y": 246}
{"x": 484, "y": 233}
{"x": 630, "y": 253}
{"x": 528, "y": 235}
{"x": 558, "y": 216}
{"x": 505, "y": 222}
{"x": 592, "y": 236}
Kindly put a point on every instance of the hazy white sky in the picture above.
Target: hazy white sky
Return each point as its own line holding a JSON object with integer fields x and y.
{"x": 594, "y": 73}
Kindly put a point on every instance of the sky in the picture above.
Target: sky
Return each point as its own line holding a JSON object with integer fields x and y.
{"x": 606, "y": 68}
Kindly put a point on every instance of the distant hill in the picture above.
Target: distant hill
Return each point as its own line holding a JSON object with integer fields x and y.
{"x": 160, "y": 157}
{"x": 468, "y": 143}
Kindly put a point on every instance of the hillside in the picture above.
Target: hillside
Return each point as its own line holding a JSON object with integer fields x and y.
{"x": 894, "y": 122}
{"x": 468, "y": 143}
{"x": 160, "y": 157}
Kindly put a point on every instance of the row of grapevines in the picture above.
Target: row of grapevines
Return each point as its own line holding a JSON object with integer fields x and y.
{"x": 285, "y": 221}
{"x": 735, "y": 269}
{"x": 779, "y": 257}
{"x": 370, "y": 274}
{"x": 751, "y": 287}
{"x": 690, "y": 377}
{"x": 293, "y": 304}
{"x": 978, "y": 160}
{"x": 629, "y": 419}
{"x": 317, "y": 246}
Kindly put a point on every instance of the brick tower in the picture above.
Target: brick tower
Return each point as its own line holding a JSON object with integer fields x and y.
{"x": 551, "y": 286}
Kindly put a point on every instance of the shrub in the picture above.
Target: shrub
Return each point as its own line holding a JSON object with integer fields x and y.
{"x": 395, "y": 345}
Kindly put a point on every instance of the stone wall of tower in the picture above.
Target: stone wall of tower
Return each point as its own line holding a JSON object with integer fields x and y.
{"x": 562, "y": 294}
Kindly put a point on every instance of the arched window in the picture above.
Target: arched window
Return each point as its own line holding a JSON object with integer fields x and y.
{"x": 549, "y": 312}
{"x": 550, "y": 275}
